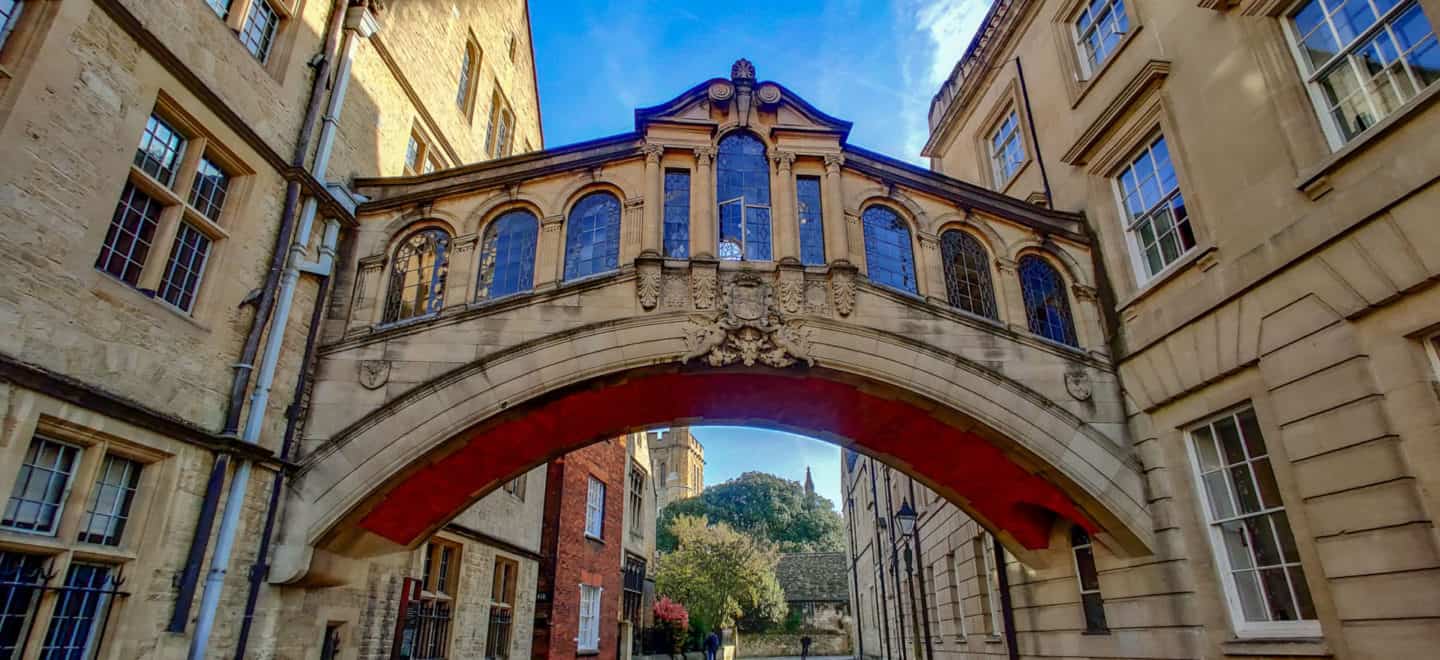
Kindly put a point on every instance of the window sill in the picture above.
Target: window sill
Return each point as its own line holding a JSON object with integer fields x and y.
{"x": 109, "y": 281}
{"x": 1298, "y": 647}
{"x": 1170, "y": 272}
{"x": 1004, "y": 188}
{"x": 1311, "y": 181}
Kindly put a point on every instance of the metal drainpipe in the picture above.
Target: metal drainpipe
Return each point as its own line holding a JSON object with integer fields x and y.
{"x": 1034, "y": 137}
{"x": 855, "y": 568}
{"x": 895, "y": 562}
{"x": 200, "y": 540}
{"x": 879, "y": 567}
{"x": 1007, "y": 611}
{"x": 920, "y": 575}
{"x": 357, "y": 21}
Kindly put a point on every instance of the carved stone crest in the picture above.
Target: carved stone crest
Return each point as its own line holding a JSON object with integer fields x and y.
{"x": 647, "y": 286}
{"x": 1077, "y": 383}
{"x": 374, "y": 373}
{"x": 842, "y": 291}
{"x": 748, "y": 329}
{"x": 702, "y": 287}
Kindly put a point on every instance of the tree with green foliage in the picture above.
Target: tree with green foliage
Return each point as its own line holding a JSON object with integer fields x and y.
{"x": 766, "y": 507}
{"x": 721, "y": 576}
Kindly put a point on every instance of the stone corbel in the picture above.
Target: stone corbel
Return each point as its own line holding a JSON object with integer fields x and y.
{"x": 704, "y": 283}
{"x": 842, "y": 288}
{"x": 649, "y": 271}
{"x": 790, "y": 287}
{"x": 1085, "y": 293}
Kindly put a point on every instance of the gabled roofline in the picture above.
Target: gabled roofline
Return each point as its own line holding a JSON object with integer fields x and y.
{"x": 646, "y": 115}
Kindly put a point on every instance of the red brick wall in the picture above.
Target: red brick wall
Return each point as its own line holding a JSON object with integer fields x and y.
{"x": 573, "y": 558}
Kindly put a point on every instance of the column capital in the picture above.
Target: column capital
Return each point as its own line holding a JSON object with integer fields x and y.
{"x": 833, "y": 162}
{"x": 705, "y": 155}
{"x": 783, "y": 159}
{"x": 1086, "y": 293}
{"x": 652, "y": 152}
{"x": 1005, "y": 265}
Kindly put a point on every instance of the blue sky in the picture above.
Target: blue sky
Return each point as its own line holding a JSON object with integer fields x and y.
{"x": 732, "y": 450}
{"x": 874, "y": 63}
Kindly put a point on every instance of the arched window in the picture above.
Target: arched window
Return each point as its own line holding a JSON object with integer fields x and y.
{"x": 888, "y": 256}
{"x": 742, "y": 189}
{"x": 592, "y": 237}
{"x": 967, "y": 273}
{"x": 507, "y": 256}
{"x": 1047, "y": 308}
{"x": 417, "y": 275}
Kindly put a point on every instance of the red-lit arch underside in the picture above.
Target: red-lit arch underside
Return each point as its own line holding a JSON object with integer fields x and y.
{"x": 902, "y": 433}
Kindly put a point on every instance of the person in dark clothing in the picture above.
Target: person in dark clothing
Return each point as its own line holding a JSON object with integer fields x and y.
{"x": 805, "y": 647}
{"x": 712, "y": 645}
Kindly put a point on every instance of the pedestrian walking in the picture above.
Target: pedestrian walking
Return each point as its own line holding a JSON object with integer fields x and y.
{"x": 805, "y": 647}
{"x": 712, "y": 645}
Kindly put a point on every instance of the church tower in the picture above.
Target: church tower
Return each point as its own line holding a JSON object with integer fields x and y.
{"x": 677, "y": 460}
{"x": 809, "y": 483}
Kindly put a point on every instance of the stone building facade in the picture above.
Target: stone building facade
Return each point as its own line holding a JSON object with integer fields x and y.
{"x": 140, "y": 281}
{"x": 1263, "y": 208}
{"x": 637, "y": 566}
{"x": 678, "y": 461}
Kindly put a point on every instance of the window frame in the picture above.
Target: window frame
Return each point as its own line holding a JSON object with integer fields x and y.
{"x": 904, "y": 224}
{"x": 280, "y": 16}
{"x": 745, "y": 204}
{"x": 516, "y": 487}
{"x": 1432, "y": 348}
{"x": 958, "y": 593}
{"x": 950, "y": 249}
{"x": 595, "y": 510}
{"x": 1001, "y": 178}
{"x": 469, "y": 81}
{"x": 588, "y": 640}
{"x": 610, "y": 261}
{"x": 679, "y": 224}
{"x": 1310, "y": 75}
{"x": 1075, "y": 550}
{"x": 987, "y": 585}
{"x": 438, "y": 277}
{"x": 66, "y": 491}
{"x": 1085, "y": 70}
{"x": 637, "y": 498}
{"x": 1062, "y": 286}
{"x": 500, "y": 132}
{"x": 1130, "y": 225}
{"x": 433, "y": 551}
{"x": 1299, "y": 628}
{"x": 814, "y": 217}
{"x": 17, "y": 13}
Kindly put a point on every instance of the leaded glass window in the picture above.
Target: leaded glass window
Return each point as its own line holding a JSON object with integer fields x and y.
{"x": 417, "y": 275}
{"x": 1255, "y": 549}
{"x": 160, "y": 149}
{"x": 260, "y": 26}
{"x": 1098, "y": 31}
{"x": 677, "y": 213}
{"x": 40, "y": 487}
{"x": 208, "y": 192}
{"x": 889, "y": 257}
{"x": 743, "y": 193}
{"x": 592, "y": 238}
{"x": 21, "y": 576}
{"x": 9, "y": 17}
{"x": 507, "y": 255}
{"x": 1363, "y": 59}
{"x": 1047, "y": 307}
{"x": 113, "y": 493}
{"x": 967, "y": 273}
{"x": 1159, "y": 222}
{"x": 132, "y": 230}
{"x": 78, "y": 620}
{"x": 186, "y": 265}
{"x": 812, "y": 232}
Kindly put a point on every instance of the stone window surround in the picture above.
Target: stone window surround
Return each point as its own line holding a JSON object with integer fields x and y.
{"x": 1128, "y": 226}
{"x": 1432, "y": 347}
{"x": 1078, "y": 80}
{"x": 280, "y": 41}
{"x": 175, "y": 200}
{"x": 1009, "y": 100}
{"x": 425, "y": 154}
{"x": 594, "y": 509}
{"x": 20, "y": 47}
{"x": 469, "y": 77}
{"x": 63, "y": 548}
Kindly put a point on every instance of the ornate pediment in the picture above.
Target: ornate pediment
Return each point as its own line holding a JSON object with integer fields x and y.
{"x": 741, "y": 98}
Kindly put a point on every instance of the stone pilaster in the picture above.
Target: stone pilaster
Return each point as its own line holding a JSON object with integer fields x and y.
{"x": 784, "y": 223}
{"x": 550, "y": 253}
{"x": 702, "y": 206}
{"x": 837, "y": 242}
{"x": 650, "y": 223}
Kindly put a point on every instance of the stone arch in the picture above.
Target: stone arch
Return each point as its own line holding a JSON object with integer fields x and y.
{"x": 402, "y": 470}
{"x": 497, "y": 205}
{"x": 732, "y": 126}
{"x": 565, "y": 200}
{"x": 1069, "y": 266}
{"x": 407, "y": 223}
{"x": 904, "y": 204}
{"x": 987, "y": 234}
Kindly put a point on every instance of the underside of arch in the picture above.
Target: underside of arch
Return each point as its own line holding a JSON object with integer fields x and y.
{"x": 951, "y": 453}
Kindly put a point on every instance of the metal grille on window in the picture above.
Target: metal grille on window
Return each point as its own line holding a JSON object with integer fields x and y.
{"x": 40, "y": 487}
{"x": 259, "y": 32}
{"x": 743, "y": 192}
{"x": 812, "y": 232}
{"x": 889, "y": 258}
{"x": 1159, "y": 221}
{"x": 186, "y": 265}
{"x": 160, "y": 150}
{"x": 207, "y": 195}
{"x": 1089, "y": 579}
{"x": 433, "y": 614}
{"x": 1254, "y": 544}
{"x": 677, "y": 214}
{"x": 1007, "y": 151}
{"x": 114, "y": 492}
{"x": 502, "y": 606}
{"x": 1365, "y": 58}
{"x": 507, "y": 256}
{"x": 132, "y": 229}
{"x": 592, "y": 240}
{"x": 9, "y": 16}
{"x": 21, "y": 578}
{"x": 78, "y": 621}
{"x": 1047, "y": 307}
{"x": 634, "y": 588}
{"x": 417, "y": 276}
{"x": 1099, "y": 29}
{"x": 967, "y": 273}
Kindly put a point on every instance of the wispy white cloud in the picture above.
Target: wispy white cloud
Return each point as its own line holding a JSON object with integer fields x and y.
{"x": 933, "y": 34}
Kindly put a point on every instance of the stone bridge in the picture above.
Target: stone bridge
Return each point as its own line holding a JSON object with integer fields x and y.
{"x": 733, "y": 260}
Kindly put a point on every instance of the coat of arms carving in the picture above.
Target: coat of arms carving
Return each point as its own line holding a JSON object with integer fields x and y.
{"x": 374, "y": 373}
{"x": 748, "y": 329}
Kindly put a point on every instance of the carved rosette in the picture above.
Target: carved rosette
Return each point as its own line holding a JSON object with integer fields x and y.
{"x": 842, "y": 290}
{"x": 747, "y": 329}
{"x": 647, "y": 285}
{"x": 702, "y": 287}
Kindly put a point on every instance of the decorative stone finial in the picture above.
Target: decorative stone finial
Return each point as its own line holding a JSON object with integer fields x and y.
{"x": 742, "y": 70}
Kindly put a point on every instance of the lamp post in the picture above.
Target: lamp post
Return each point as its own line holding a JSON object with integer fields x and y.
{"x": 905, "y": 520}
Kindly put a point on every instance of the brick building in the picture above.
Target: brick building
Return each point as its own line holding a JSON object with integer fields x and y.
{"x": 578, "y": 606}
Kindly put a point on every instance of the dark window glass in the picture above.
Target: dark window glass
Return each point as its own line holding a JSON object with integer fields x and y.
{"x": 211, "y": 186}
{"x": 967, "y": 273}
{"x": 20, "y": 577}
{"x": 39, "y": 493}
{"x": 79, "y": 617}
{"x": 132, "y": 229}
{"x": 259, "y": 30}
{"x": 114, "y": 492}
{"x": 186, "y": 265}
{"x": 592, "y": 239}
{"x": 417, "y": 276}
{"x": 160, "y": 149}
{"x": 889, "y": 258}
{"x": 507, "y": 256}
{"x": 1089, "y": 579}
{"x": 677, "y": 213}
{"x": 812, "y": 233}
{"x": 743, "y": 193}
{"x": 1047, "y": 308}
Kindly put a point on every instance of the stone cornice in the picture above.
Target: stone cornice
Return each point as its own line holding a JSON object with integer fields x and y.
{"x": 1152, "y": 74}
{"x": 962, "y": 84}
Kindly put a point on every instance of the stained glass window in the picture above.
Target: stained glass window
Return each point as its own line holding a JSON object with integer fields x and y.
{"x": 507, "y": 256}
{"x": 889, "y": 257}
{"x": 1047, "y": 307}
{"x": 677, "y": 213}
{"x": 592, "y": 238}
{"x": 967, "y": 273}
{"x": 812, "y": 233}
{"x": 743, "y": 193}
{"x": 417, "y": 276}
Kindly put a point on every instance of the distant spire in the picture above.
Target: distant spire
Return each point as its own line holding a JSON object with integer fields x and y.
{"x": 809, "y": 483}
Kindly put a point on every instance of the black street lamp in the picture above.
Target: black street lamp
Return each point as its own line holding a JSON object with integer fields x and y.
{"x": 905, "y": 518}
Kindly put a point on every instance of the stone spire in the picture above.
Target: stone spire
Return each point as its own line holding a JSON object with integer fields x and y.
{"x": 809, "y": 483}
